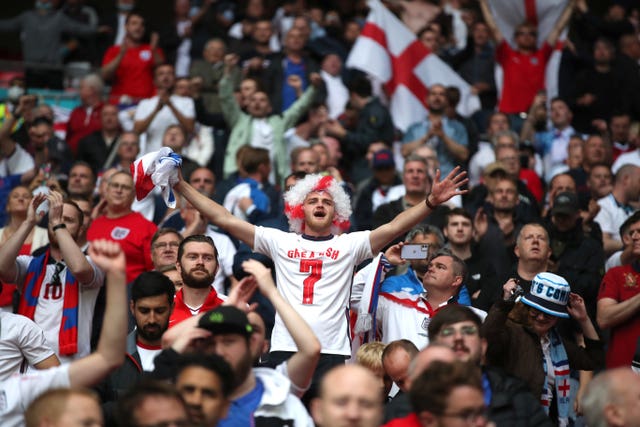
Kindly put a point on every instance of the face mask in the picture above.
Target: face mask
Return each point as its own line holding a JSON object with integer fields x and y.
{"x": 14, "y": 93}
{"x": 125, "y": 7}
{"x": 43, "y": 6}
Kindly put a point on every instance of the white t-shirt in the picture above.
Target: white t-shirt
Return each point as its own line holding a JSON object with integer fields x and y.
{"x": 48, "y": 314}
{"x": 20, "y": 339}
{"x": 337, "y": 94}
{"x": 632, "y": 158}
{"x": 17, "y": 392}
{"x": 611, "y": 216}
{"x": 315, "y": 277}
{"x": 18, "y": 163}
{"x": 162, "y": 120}
{"x": 407, "y": 316}
{"x": 147, "y": 357}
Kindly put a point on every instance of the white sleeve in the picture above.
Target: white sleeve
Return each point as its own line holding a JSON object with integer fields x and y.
{"x": 143, "y": 110}
{"x": 98, "y": 276}
{"x": 33, "y": 344}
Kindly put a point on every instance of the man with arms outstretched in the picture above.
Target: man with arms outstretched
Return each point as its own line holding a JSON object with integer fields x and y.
{"x": 314, "y": 264}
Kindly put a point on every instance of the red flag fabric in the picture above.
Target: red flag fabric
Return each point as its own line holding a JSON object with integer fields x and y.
{"x": 387, "y": 50}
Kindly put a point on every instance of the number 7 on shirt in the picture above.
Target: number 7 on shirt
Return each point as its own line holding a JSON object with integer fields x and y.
{"x": 314, "y": 268}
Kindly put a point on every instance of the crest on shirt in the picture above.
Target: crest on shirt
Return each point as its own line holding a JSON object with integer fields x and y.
{"x": 534, "y": 60}
{"x": 145, "y": 55}
{"x": 630, "y": 281}
{"x": 119, "y": 233}
{"x": 425, "y": 323}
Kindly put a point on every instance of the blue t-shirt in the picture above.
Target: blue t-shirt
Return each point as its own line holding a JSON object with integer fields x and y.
{"x": 289, "y": 95}
{"x": 7, "y": 183}
{"x": 242, "y": 409}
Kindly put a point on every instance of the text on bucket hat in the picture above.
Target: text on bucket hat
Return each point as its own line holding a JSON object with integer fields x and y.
{"x": 549, "y": 293}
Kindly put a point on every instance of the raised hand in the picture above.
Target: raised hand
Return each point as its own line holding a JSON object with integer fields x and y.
{"x": 441, "y": 191}
{"x": 295, "y": 82}
{"x": 241, "y": 293}
{"x": 55, "y": 208}
{"x": 576, "y": 307}
{"x": 262, "y": 276}
{"x": 37, "y": 200}
{"x": 315, "y": 79}
{"x": 108, "y": 255}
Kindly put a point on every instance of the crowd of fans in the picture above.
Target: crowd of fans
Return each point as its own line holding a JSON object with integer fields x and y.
{"x": 320, "y": 265}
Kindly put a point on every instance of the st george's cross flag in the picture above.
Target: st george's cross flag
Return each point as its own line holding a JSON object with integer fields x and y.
{"x": 388, "y": 51}
{"x": 508, "y": 14}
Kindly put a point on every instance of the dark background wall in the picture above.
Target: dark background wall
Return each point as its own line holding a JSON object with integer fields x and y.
{"x": 157, "y": 11}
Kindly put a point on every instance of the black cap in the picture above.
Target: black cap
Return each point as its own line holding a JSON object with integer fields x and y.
{"x": 226, "y": 319}
{"x": 565, "y": 203}
{"x": 383, "y": 159}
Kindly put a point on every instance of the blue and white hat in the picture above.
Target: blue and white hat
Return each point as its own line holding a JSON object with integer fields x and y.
{"x": 549, "y": 293}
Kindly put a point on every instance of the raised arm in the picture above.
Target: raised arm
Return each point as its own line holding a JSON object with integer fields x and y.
{"x": 10, "y": 249}
{"x": 562, "y": 22}
{"x": 111, "y": 347}
{"x": 71, "y": 253}
{"x": 491, "y": 23}
{"x": 441, "y": 191}
{"x": 302, "y": 364}
{"x": 216, "y": 213}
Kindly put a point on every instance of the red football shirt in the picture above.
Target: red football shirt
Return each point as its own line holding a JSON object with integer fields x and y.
{"x": 523, "y": 76}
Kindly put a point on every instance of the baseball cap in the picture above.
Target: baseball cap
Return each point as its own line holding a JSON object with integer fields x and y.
{"x": 383, "y": 159}
{"x": 494, "y": 169}
{"x": 549, "y": 293}
{"x": 565, "y": 203}
{"x": 226, "y": 319}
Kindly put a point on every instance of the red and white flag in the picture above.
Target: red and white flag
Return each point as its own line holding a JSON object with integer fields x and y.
{"x": 508, "y": 14}
{"x": 387, "y": 50}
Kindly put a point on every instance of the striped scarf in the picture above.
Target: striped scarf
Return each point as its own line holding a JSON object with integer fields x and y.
{"x": 561, "y": 370}
{"x": 36, "y": 272}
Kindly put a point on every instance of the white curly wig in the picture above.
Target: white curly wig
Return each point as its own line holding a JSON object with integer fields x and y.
{"x": 295, "y": 197}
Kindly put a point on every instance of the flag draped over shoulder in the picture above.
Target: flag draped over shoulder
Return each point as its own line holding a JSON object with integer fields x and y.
{"x": 387, "y": 50}
{"x": 508, "y": 14}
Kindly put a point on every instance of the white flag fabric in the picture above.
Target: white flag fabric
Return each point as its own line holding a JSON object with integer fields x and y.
{"x": 508, "y": 14}
{"x": 387, "y": 50}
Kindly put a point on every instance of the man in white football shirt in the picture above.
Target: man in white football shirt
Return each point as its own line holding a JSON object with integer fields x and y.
{"x": 314, "y": 263}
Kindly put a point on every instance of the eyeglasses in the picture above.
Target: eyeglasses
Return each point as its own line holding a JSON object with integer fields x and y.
{"x": 164, "y": 245}
{"x": 468, "y": 330}
{"x": 470, "y": 416}
{"x": 123, "y": 187}
{"x": 533, "y": 312}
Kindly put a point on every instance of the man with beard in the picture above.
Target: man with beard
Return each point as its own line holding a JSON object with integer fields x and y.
{"x": 205, "y": 383}
{"x": 260, "y": 396}
{"x": 197, "y": 264}
{"x": 151, "y": 304}
{"x": 58, "y": 284}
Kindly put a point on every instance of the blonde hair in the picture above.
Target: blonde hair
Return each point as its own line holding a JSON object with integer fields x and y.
{"x": 369, "y": 355}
